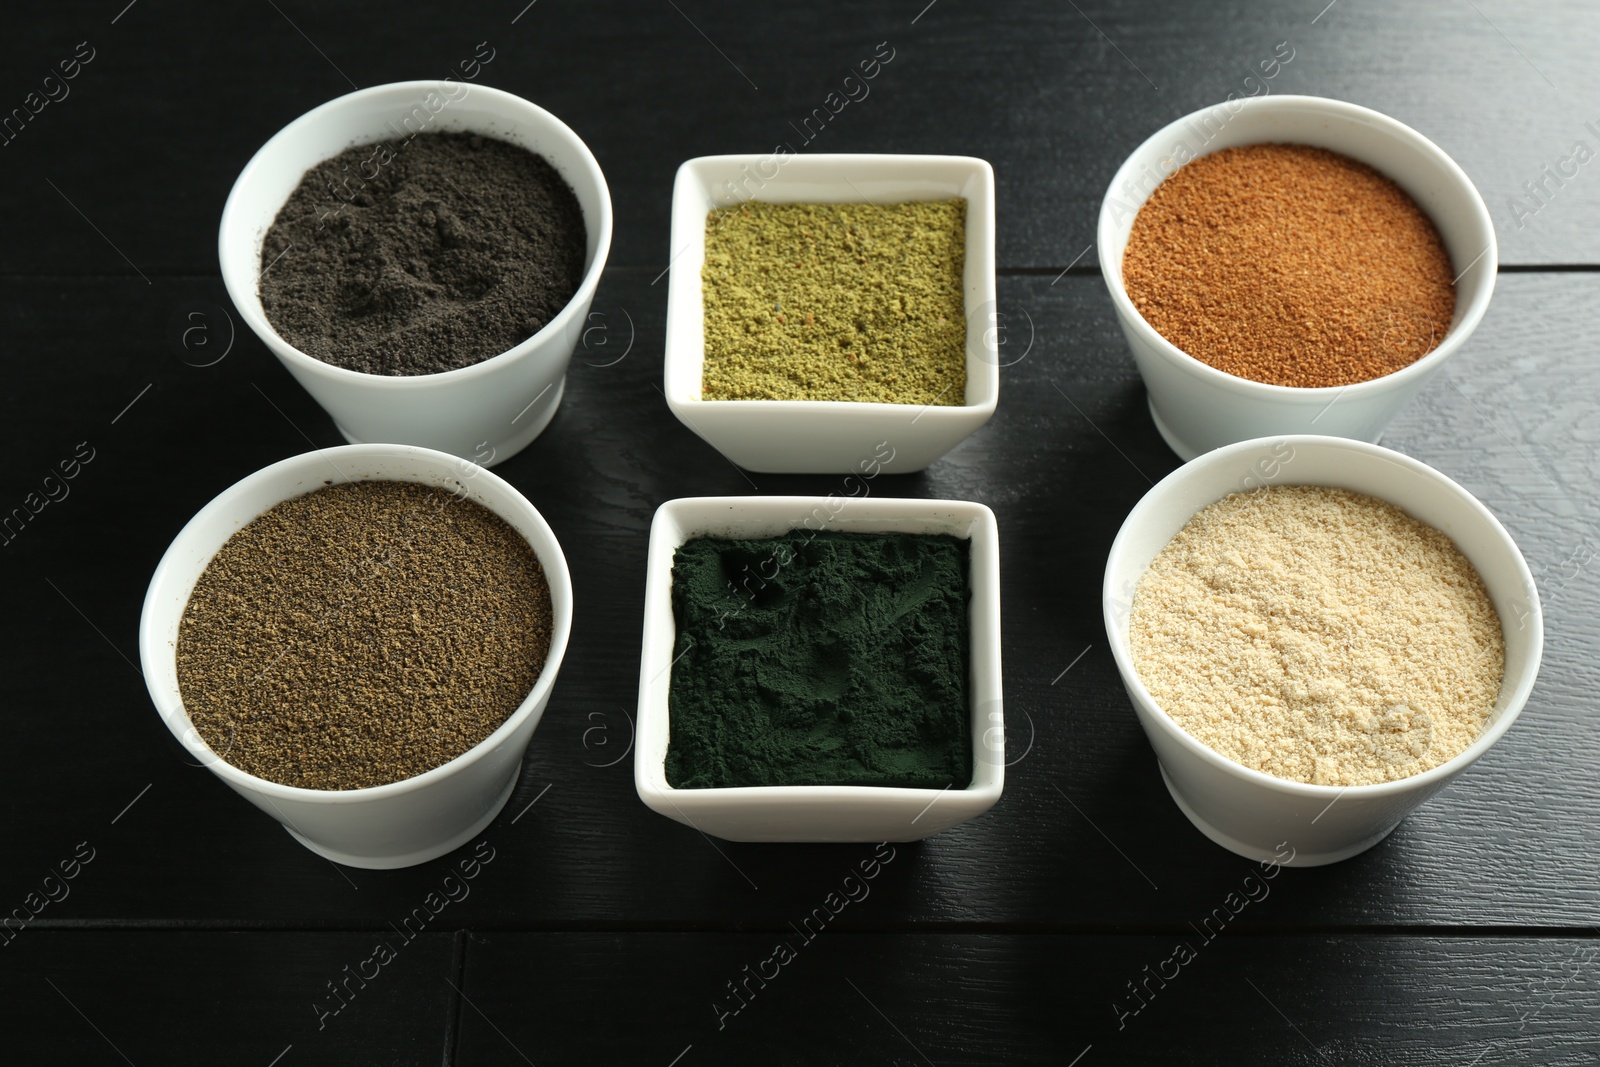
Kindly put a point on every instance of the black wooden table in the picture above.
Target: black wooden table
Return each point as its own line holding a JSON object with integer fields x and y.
{"x": 197, "y": 931}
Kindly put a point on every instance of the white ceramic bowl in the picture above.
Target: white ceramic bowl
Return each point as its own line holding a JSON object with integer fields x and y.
{"x": 1197, "y": 407}
{"x": 828, "y": 436}
{"x": 398, "y": 824}
{"x": 817, "y": 812}
{"x": 486, "y": 412}
{"x": 1252, "y": 813}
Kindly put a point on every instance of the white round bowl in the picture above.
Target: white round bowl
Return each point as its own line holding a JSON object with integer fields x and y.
{"x": 401, "y": 823}
{"x": 1197, "y": 407}
{"x": 486, "y": 412}
{"x": 1255, "y": 814}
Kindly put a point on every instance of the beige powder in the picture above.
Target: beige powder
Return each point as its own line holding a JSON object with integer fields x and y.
{"x": 1318, "y": 635}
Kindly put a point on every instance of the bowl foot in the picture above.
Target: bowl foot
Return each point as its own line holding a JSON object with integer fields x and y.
{"x": 411, "y": 859}
{"x": 1184, "y": 452}
{"x": 1251, "y": 852}
{"x": 527, "y": 428}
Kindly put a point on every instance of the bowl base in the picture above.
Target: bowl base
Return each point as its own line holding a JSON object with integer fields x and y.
{"x": 1185, "y": 452}
{"x": 1251, "y": 852}
{"x": 498, "y": 451}
{"x": 411, "y": 859}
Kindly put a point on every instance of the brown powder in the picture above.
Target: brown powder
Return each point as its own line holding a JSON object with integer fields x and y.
{"x": 362, "y": 634}
{"x": 1290, "y": 265}
{"x": 1318, "y": 635}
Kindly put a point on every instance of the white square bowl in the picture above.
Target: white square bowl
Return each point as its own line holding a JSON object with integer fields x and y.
{"x": 821, "y": 812}
{"x": 828, "y": 436}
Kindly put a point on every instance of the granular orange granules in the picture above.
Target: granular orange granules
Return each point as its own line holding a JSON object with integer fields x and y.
{"x": 1290, "y": 265}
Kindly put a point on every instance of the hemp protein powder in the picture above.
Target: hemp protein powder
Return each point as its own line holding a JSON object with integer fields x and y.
{"x": 1318, "y": 635}
{"x": 845, "y": 302}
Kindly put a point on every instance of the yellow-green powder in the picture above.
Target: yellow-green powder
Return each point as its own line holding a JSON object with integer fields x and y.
{"x": 858, "y": 302}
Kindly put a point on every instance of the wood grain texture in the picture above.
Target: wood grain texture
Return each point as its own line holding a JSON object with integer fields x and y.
{"x": 980, "y": 999}
{"x": 179, "y": 96}
{"x": 170, "y": 997}
{"x": 603, "y": 932}
{"x": 1512, "y": 843}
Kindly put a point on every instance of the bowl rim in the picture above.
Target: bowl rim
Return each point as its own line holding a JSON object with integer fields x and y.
{"x": 231, "y": 231}
{"x": 1437, "y": 775}
{"x": 983, "y": 525}
{"x": 154, "y": 647}
{"x": 688, "y": 174}
{"x": 1460, "y": 185}
{"x": 866, "y": 407}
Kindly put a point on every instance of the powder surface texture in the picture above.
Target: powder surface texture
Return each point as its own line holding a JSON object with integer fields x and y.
{"x": 1290, "y": 265}
{"x": 820, "y": 659}
{"x": 860, "y": 302}
{"x": 362, "y": 634}
{"x": 424, "y": 255}
{"x": 1318, "y": 635}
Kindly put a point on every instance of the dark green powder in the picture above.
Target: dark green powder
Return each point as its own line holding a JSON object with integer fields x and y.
{"x": 820, "y": 658}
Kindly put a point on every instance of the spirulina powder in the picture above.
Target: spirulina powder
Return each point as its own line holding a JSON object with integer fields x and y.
{"x": 820, "y": 658}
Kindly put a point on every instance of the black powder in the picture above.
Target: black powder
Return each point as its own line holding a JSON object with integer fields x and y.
{"x": 422, "y": 256}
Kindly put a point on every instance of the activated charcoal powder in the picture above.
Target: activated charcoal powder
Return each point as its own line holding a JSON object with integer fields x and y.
{"x": 423, "y": 255}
